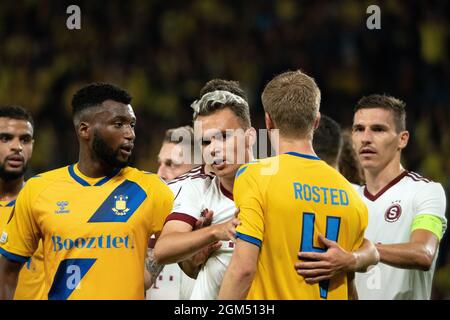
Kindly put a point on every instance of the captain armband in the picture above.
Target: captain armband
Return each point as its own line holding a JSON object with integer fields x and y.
{"x": 152, "y": 267}
{"x": 428, "y": 222}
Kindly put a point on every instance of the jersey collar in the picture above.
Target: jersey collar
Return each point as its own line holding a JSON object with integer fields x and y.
{"x": 9, "y": 204}
{"x": 301, "y": 155}
{"x": 83, "y": 180}
{"x": 372, "y": 197}
{"x": 225, "y": 192}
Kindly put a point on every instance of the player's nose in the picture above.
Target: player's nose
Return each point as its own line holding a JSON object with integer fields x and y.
{"x": 366, "y": 136}
{"x": 162, "y": 172}
{"x": 129, "y": 133}
{"x": 16, "y": 145}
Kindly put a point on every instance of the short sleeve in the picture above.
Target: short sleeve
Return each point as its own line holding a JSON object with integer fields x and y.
{"x": 248, "y": 198}
{"x": 431, "y": 200}
{"x": 188, "y": 204}
{"x": 20, "y": 237}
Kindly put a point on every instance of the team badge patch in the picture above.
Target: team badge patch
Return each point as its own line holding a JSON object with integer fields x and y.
{"x": 120, "y": 205}
{"x": 4, "y": 237}
{"x": 393, "y": 213}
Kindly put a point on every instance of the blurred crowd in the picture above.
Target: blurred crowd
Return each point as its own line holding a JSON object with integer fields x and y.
{"x": 163, "y": 52}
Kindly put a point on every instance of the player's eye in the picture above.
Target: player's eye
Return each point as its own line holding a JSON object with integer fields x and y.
{"x": 118, "y": 124}
{"x": 4, "y": 139}
{"x": 26, "y": 140}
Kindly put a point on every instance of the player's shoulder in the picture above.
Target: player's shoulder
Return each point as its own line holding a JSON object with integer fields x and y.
{"x": 48, "y": 177}
{"x": 196, "y": 178}
{"x": 256, "y": 167}
{"x": 144, "y": 178}
{"x": 416, "y": 179}
{"x": 422, "y": 185}
{"x": 40, "y": 182}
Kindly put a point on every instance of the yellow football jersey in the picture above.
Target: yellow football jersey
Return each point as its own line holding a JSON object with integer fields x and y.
{"x": 285, "y": 201}
{"x": 30, "y": 285}
{"x": 94, "y": 231}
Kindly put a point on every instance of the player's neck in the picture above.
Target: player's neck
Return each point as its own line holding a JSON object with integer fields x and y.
{"x": 303, "y": 146}
{"x": 93, "y": 168}
{"x": 227, "y": 183}
{"x": 9, "y": 189}
{"x": 376, "y": 180}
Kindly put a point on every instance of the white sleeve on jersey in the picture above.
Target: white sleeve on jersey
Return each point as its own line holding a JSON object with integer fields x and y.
{"x": 187, "y": 198}
{"x": 431, "y": 200}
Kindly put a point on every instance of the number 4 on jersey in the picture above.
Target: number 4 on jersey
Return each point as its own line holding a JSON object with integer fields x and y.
{"x": 307, "y": 241}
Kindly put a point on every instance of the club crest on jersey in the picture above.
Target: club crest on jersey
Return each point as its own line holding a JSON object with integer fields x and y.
{"x": 393, "y": 213}
{"x": 120, "y": 205}
{"x": 62, "y": 207}
{"x": 4, "y": 237}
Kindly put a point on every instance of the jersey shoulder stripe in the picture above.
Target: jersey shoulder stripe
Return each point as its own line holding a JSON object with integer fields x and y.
{"x": 196, "y": 173}
{"x": 417, "y": 177}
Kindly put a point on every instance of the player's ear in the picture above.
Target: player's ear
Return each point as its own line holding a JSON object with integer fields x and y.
{"x": 403, "y": 141}
{"x": 269, "y": 122}
{"x": 84, "y": 130}
{"x": 317, "y": 121}
{"x": 250, "y": 136}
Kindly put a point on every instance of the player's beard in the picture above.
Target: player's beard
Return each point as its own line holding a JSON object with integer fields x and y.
{"x": 6, "y": 175}
{"x": 107, "y": 154}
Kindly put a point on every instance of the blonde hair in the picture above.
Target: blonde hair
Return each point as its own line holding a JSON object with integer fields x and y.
{"x": 292, "y": 100}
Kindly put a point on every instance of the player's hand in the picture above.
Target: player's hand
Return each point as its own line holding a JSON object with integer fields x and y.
{"x": 317, "y": 266}
{"x": 200, "y": 257}
{"x": 226, "y": 230}
{"x": 205, "y": 220}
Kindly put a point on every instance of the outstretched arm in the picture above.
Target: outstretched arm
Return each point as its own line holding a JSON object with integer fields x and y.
{"x": 418, "y": 253}
{"x": 9, "y": 273}
{"x": 317, "y": 267}
{"x": 178, "y": 242}
{"x": 239, "y": 275}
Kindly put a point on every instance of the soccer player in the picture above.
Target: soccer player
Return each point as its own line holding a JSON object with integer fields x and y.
{"x": 222, "y": 117}
{"x": 175, "y": 158}
{"x": 176, "y": 155}
{"x": 16, "y": 148}
{"x": 406, "y": 211}
{"x": 95, "y": 217}
{"x": 284, "y": 210}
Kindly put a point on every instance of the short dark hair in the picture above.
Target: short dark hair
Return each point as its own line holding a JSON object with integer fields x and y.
{"x": 384, "y": 101}
{"x": 95, "y": 94}
{"x": 16, "y": 112}
{"x": 219, "y": 94}
{"x": 349, "y": 165}
{"x": 224, "y": 85}
{"x": 327, "y": 140}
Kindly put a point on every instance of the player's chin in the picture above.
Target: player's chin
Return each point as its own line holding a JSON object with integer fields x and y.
{"x": 13, "y": 173}
{"x": 368, "y": 164}
{"x": 122, "y": 161}
{"x": 228, "y": 170}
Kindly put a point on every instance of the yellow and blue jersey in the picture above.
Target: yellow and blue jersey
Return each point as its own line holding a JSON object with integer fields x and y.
{"x": 94, "y": 231}
{"x": 284, "y": 202}
{"x": 30, "y": 285}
